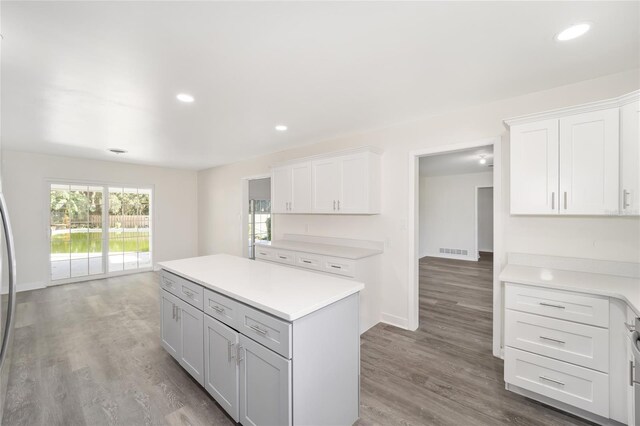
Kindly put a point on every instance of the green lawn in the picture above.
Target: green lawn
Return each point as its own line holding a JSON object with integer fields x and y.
{"x": 92, "y": 242}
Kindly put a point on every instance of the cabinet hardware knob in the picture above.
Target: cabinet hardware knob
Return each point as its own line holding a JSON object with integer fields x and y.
{"x": 239, "y": 357}
{"x": 306, "y": 261}
{"x": 338, "y": 205}
{"x": 334, "y": 205}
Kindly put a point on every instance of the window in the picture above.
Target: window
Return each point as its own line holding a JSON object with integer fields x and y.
{"x": 96, "y": 230}
{"x": 259, "y": 223}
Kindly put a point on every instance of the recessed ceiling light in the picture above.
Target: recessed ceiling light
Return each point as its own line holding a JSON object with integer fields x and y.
{"x": 281, "y": 127}
{"x": 118, "y": 150}
{"x": 573, "y": 31}
{"x": 185, "y": 97}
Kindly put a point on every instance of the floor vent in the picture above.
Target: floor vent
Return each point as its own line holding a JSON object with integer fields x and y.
{"x": 454, "y": 251}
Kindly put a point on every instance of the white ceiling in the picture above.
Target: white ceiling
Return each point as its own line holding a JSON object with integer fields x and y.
{"x": 81, "y": 77}
{"x": 457, "y": 163}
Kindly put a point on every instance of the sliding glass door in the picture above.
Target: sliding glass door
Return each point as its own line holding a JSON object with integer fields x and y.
{"x": 97, "y": 230}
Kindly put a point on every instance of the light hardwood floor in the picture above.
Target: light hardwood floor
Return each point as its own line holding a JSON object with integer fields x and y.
{"x": 89, "y": 354}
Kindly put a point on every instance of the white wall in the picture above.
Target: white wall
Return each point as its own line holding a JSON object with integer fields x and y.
{"x": 485, "y": 219}
{"x": 24, "y": 174}
{"x": 447, "y": 212}
{"x": 611, "y": 238}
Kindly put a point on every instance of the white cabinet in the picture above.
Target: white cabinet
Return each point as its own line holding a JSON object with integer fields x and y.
{"x": 191, "y": 353}
{"x": 589, "y": 163}
{"x": 630, "y": 158}
{"x": 265, "y": 390}
{"x": 291, "y": 189}
{"x": 181, "y": 328}
{"x": 221, "y": 366}
{"x": 326, "y": 185}
{"x": 534, "y": 168}
{"x": 333, "y": 184}
{"x": 583, "y": 160}
{"x": 169, "y": 325}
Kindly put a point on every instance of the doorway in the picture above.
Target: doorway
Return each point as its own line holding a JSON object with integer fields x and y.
{"x": 256, "y": 216}
{"x": 484, "y": 222}
{"x": 455, "y": 249}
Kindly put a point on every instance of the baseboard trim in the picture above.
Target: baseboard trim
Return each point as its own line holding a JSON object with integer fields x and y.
{"x": 469, "y": 258}
{"x": 394, "y": 320}
{"x": 38, "y": 285}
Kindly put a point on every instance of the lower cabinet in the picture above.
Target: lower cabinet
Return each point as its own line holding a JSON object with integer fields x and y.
{"x": 265, "y": 390}
{"x": 181, "y": 328}
{"x": 221, "y": 372}
{"x": 251, "y": 382}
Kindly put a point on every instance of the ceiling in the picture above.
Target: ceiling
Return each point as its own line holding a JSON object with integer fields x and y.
{"x": 457, "y": 163}
{"x": 81, "y": 77}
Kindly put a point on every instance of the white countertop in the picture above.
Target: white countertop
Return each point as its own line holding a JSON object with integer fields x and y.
{"x": 346, "y": 252}
{"x": 284, "y": 292}
{"x": 624, "y": 288}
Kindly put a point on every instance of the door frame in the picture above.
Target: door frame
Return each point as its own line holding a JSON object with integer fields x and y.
{"x": 413, "y": 301}
{"x": 105, "y": 220}
{"x": 477, "y": 240}
{"x": 244, "y": 209}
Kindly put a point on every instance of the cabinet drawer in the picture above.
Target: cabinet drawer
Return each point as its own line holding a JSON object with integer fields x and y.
{"x": 573, "y": 385}
{"x": 284, "y": 256}
{"x": 269, "y": 331}
{"x": 309, "y": 261}
{"x": 565, "y": 305}
{"x": 221, "y": 308}
{"x": 264, "y": 253}
{"x": 191, "y": 293}
{"x": 579, "y": 344}
{"x": 339, "y": 266}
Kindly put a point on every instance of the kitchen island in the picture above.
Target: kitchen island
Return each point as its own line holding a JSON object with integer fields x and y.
{"x": 272, "y": 345}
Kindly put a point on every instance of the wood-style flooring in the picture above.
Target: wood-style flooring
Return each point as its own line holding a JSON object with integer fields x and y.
{"x": 89, "y": 354}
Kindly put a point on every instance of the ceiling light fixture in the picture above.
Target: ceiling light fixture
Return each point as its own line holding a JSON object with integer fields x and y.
{"x": 185, "y": 97}
{"x": 482, "y": 159}
{"x": 573, "y": 31}
{"x": 281, "y": 127}
{"x": 118, "y": 150}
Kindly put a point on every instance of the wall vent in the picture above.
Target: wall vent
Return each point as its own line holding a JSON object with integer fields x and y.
{"x": 460, "y": 252}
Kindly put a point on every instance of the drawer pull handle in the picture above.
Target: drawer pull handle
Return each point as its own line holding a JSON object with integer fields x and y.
{"x": 551, "y": 380}
{"x": 553, "y": 340}
{"x": 218, "y": 309}
{"x": 188, "y": 293}
{"x": 551, "y": 305}
{"x": 283, "y": 257}
{"x": 258, "y": 329}
{"x": 306, "y": 261}
{"x": 263, "y": 253}
{"x": 168, "y": 283}
{"x": 239, "y": 357}
{"x": 336, "y": 266}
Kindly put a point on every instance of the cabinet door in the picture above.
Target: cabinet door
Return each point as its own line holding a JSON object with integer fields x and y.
{"x": 280, "y": 189}
{"x": 301, "y": 188}
{"x": 589, "y": 163}
{"x": 221, "y": 369}
{"x": 169, "y": 325}
{"x": 630, "y": 159}
{"x": 354, "y": 185}
{"x": 534, "y": 168}
{"x": 191, "y": 338}
{"x": 265, "y": 385}
{"x": 326, "y": 181}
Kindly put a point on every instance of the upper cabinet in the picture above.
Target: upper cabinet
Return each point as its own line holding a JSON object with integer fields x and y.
{"x": 290, "y": 188}
{"x": 577, "y": 161}
{"x": 347, "y": 183}
{"x": 630, "y": 158}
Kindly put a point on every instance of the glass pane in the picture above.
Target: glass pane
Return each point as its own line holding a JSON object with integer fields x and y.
{"x": 79, "y": 243}
{"x": 79, "y": 267}
{"x": 60, "y": 270}
{"x": 95, "y": 264}
{"x": 144, "y": 260}
{"x": 116, "y": 262}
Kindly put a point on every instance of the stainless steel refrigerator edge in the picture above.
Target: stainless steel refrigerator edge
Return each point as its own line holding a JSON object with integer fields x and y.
{"x": 8, "y": 305}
